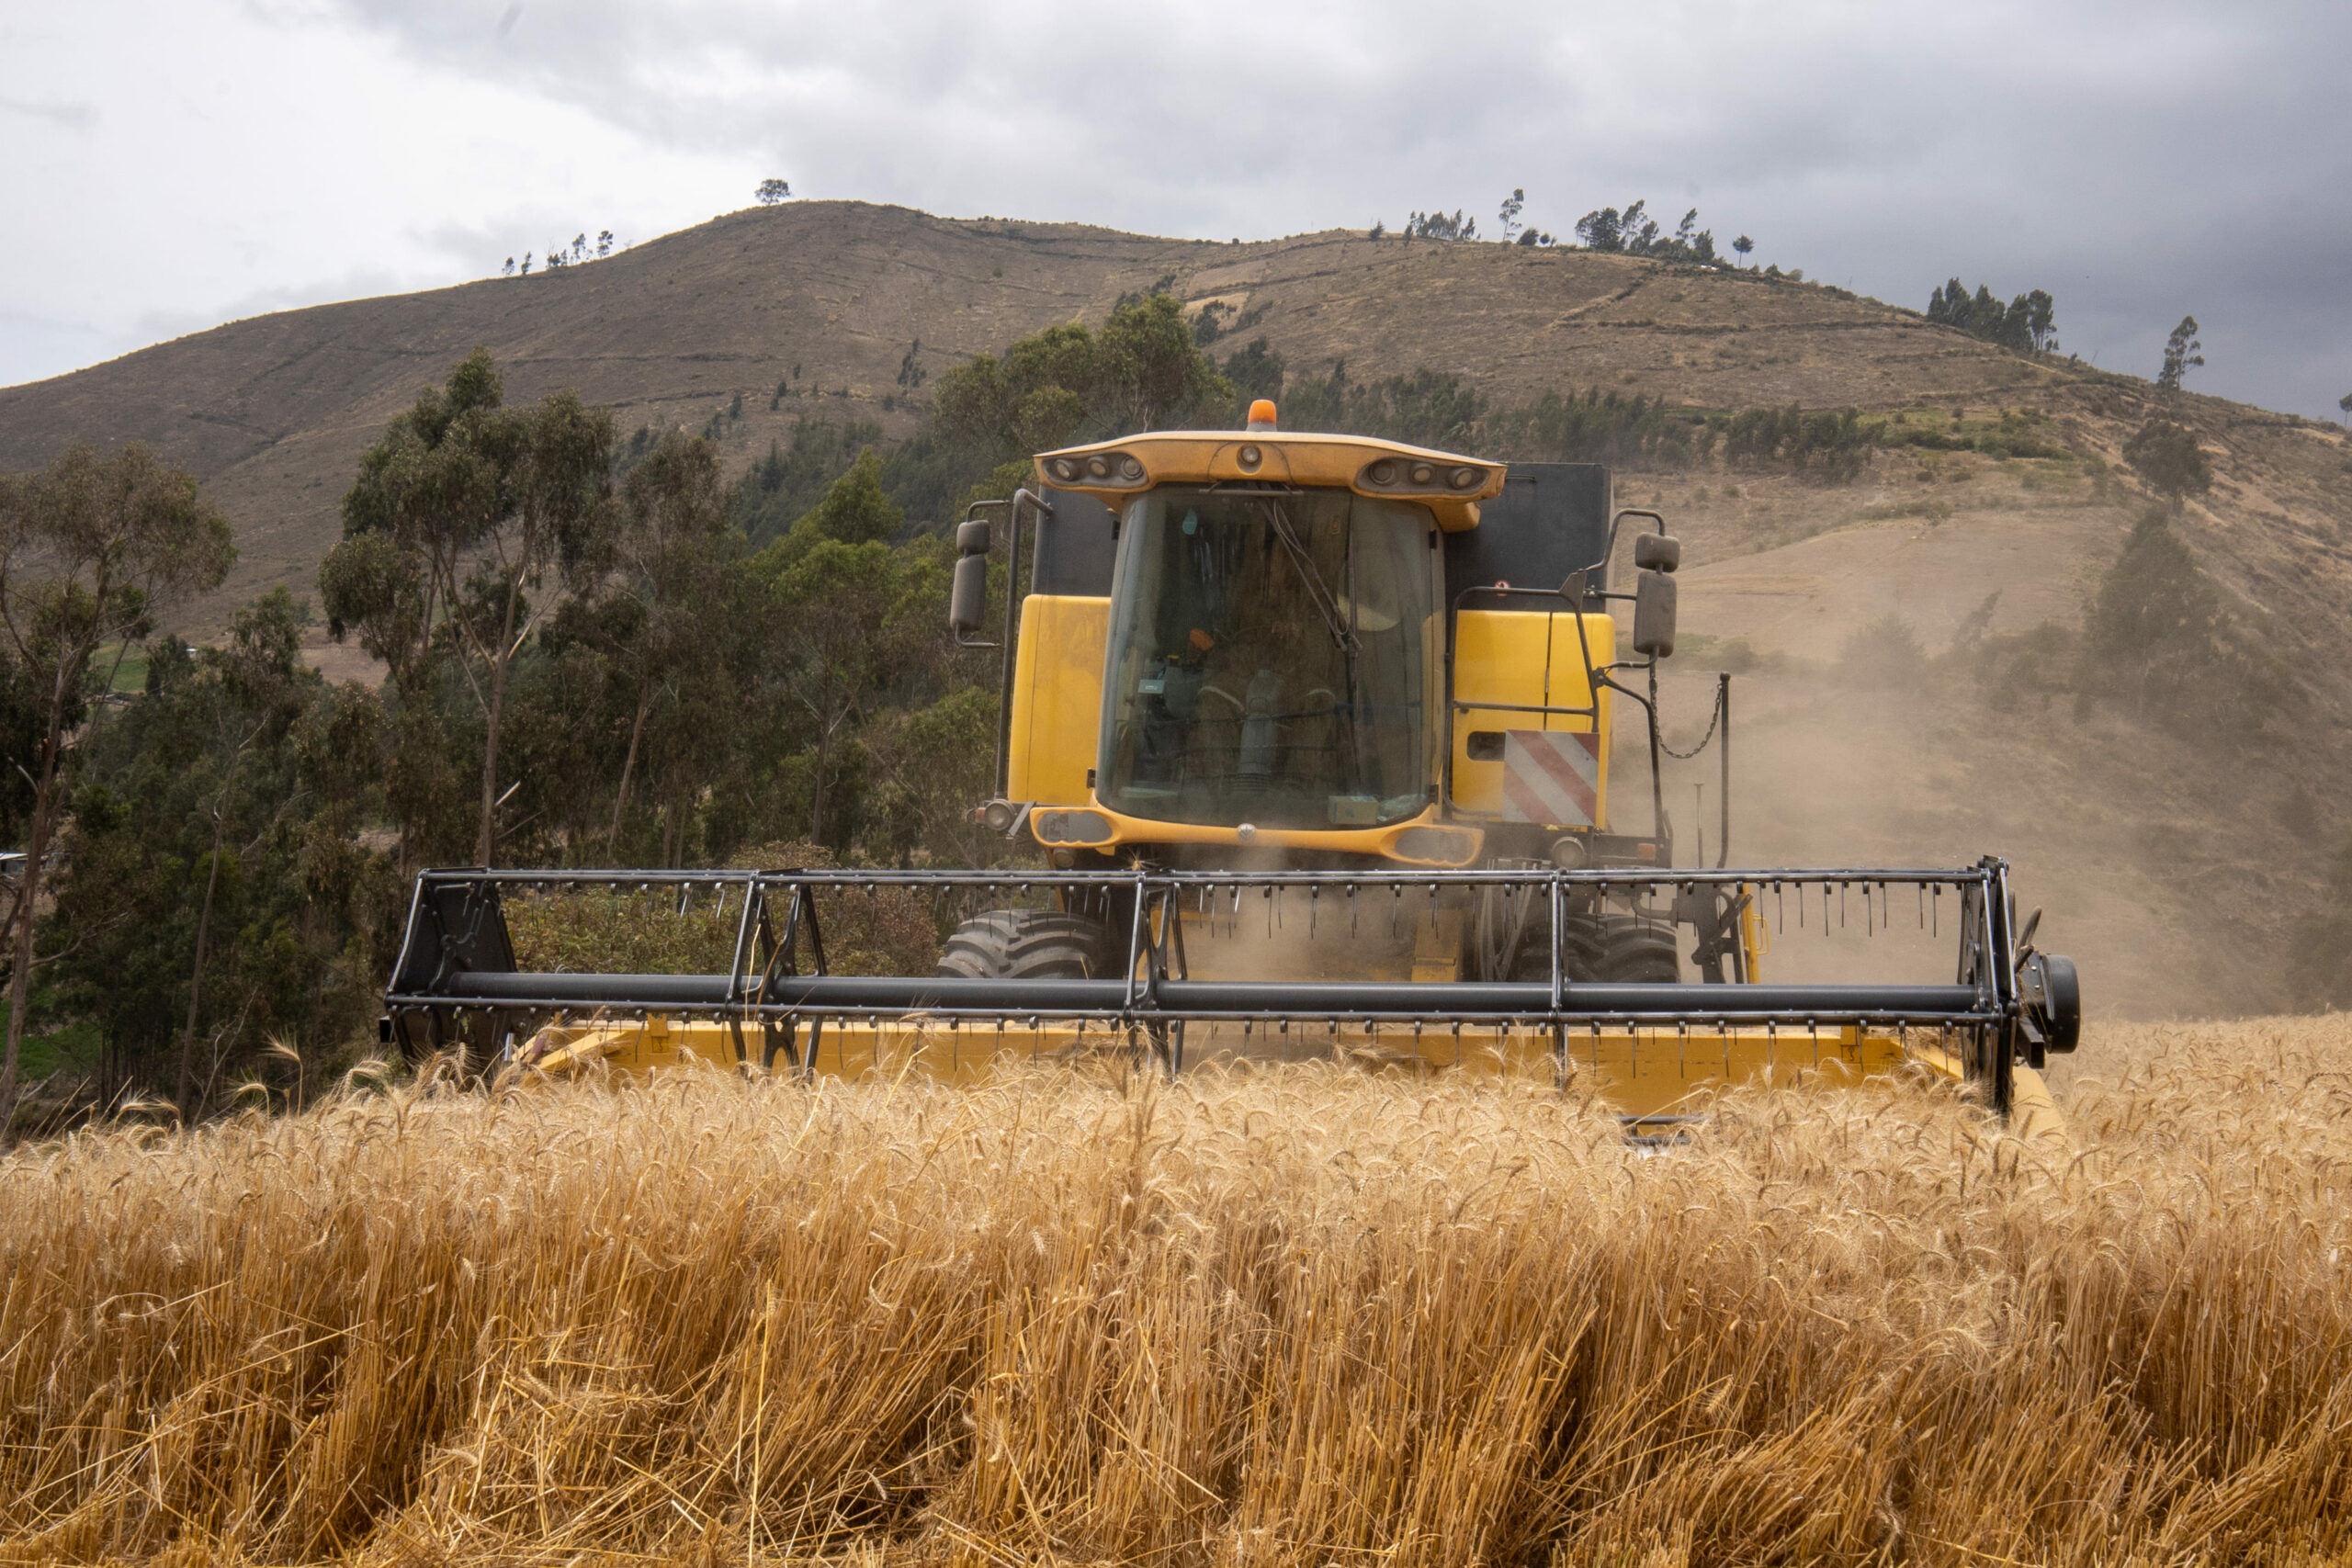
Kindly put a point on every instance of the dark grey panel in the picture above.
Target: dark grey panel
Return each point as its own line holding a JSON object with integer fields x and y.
{"x": 1552, "y": 519}
{"x": 1074, "y": 547}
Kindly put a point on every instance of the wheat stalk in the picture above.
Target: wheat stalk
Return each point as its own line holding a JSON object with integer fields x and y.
{"x": 1308, "y": 1315}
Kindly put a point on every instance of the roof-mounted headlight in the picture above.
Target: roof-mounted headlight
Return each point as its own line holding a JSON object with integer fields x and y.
{"x": 1101, "y": 470}
{"x": 1405, "y": 476}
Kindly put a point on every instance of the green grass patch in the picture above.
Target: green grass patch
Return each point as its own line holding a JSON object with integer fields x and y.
{"x": 130, "y": 676}
{"x": 2003, "y": 433}
{"x": 54, "y": 1043}
{"x": 72, "y": 1049}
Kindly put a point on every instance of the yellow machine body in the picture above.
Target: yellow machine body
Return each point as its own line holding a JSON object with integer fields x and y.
{"x": 1506, "y": 668}
{"x": 1056, "y": 698}
{"x": 1534, "y": 656}
{"x": 1526, "y": 659}
{"x": 1648, "y": 1076}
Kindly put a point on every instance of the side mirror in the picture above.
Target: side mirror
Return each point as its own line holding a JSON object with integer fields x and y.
{"x": 1656, "y": 552}
{"x": 968, "y": 597}
{"x": 967, "y": 594}
{"x": 1653, "y": 603}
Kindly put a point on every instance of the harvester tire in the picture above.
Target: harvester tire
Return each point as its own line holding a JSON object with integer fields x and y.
{"x": 1641, "y": 955}
{"x": 1530, "y": 962}
{"x": 1028, "y": 945}
{"x": 1614, "y": 949}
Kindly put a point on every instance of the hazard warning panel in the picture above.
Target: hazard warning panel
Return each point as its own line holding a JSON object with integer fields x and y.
{"x": 1552, "y": 776}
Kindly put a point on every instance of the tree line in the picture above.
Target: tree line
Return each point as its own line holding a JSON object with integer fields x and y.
{"x": 1630, "y": 232}
{"x": 2027, "y": 323}
{"x": 582, "y": 250}
{"x": 597, "y": 651}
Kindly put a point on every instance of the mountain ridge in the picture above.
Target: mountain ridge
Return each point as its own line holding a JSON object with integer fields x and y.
{"x": 271, "y": 412}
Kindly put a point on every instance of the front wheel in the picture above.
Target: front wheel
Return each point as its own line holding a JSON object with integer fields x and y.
{"x": 1028, "y": 945}
{"x": 1609, "y": 949}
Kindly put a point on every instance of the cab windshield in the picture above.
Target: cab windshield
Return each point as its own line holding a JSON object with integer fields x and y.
{"x": 1268, "y": 659}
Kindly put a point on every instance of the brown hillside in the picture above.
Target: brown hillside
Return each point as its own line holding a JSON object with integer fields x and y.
{"x": 272, "y": 412}
{"x": 2184, "y": 864}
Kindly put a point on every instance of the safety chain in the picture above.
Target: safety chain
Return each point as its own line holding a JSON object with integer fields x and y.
{"x": 1712, "y": 723}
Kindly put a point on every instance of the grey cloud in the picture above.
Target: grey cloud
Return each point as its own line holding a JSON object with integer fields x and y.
{"x": 2138, "y": 158}
{"x": 358, "y": 283}
{"x": 479, "y": 248}
{"x": 70, "y": 117}
{"x": 32, "y": 345}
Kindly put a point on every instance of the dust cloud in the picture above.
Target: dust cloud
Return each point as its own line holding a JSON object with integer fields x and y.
{"x": 1920, "y": 771}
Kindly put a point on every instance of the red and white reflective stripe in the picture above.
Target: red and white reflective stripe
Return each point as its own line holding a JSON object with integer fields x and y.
{"x": 1552, "y": 776}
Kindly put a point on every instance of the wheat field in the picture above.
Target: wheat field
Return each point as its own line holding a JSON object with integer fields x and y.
{"x": 1306, "y": 1315}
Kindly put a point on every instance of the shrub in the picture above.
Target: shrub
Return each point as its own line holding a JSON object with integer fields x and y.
{"x": 2166, "y": 454}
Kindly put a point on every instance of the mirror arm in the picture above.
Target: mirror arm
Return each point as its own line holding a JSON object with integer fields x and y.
{"x": 1042, "y": 508}
{"x": 1609, "y": 548}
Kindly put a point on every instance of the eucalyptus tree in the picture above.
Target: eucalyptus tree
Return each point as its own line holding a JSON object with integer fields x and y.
{"x": 660, "y": 619}
{"x": 89, "y": 549}
{"x": 469, "y": 520}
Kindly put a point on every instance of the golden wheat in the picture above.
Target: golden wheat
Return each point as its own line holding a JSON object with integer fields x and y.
{"x": 1308, "y": 1315}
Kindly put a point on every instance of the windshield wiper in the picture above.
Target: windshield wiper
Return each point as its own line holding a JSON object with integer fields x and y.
{"x": 1343, "y": 637}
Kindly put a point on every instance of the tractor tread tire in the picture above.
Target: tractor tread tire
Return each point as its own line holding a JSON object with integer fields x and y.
{"x": 1027, "y": 945}
{"x": 1614, "y": 949}
{"x": 1641, "y": 953}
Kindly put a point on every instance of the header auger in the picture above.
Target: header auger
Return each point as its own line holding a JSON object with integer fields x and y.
{"x": 1313, "y": 735}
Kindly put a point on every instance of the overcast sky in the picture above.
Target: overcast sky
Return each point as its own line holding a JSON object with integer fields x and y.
{"x": 167, "y": 166}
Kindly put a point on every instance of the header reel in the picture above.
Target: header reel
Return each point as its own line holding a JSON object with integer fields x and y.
{"x": 1124, "y": 974}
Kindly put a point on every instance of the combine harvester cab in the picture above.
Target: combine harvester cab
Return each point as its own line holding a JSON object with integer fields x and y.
{"x": 1312, "y": 735}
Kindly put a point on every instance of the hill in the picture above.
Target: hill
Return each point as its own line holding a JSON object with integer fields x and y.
{"x": 2188, "y": 853}
{"x": 830, "y": 298}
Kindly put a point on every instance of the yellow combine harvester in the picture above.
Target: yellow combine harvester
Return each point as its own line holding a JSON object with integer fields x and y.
{"x": 1313, "y": 735}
